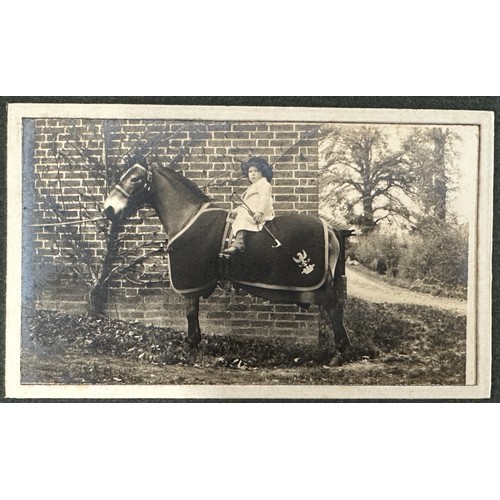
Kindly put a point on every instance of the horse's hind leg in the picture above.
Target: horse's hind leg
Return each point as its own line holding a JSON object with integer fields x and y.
{"x": 326, "y": 339}
{"x": 336, "y": 314}
{"x": 335, "y": 300}
{"x": 192, "y": 305}
{"x": 332, "y": 321}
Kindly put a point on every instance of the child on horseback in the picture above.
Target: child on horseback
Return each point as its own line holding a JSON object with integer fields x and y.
{"x": 258, "y": 200}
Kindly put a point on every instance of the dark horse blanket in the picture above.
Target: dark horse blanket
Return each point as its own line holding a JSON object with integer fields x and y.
{"x": 299, "y": 264}
{"x": 194, "y": 252}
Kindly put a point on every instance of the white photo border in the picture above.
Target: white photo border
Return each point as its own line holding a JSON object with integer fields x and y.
{"x": 479, "y": 338}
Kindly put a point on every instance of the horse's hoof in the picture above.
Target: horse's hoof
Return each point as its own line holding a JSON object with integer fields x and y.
{"x": 337, "y": 360}
{"x": 192, "y": 345}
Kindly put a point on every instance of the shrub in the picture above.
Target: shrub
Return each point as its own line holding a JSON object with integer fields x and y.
{"x": 380, "y": 252}
{"x": 438, "y": 255}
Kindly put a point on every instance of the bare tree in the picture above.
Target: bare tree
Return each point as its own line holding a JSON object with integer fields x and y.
{"x": 97, "y": 166}
{"x": 361, "y": 173}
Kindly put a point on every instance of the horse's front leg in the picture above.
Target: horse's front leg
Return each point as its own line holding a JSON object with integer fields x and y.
{"x": 192, "y": 309}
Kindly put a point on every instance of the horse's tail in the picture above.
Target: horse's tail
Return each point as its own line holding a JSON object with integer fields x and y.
{"x": 339, "y": 276}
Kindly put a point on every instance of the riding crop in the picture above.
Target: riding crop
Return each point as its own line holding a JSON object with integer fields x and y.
{"x": 249, "y": 210}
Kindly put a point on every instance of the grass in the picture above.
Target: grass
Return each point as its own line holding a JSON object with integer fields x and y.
{"x": 391, "y": 345}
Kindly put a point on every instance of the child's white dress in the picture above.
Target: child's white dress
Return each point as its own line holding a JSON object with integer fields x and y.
{"x": 259, "y": 198}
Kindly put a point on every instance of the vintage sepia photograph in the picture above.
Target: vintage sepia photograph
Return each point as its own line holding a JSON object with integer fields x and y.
{"x": 184, "y": 252}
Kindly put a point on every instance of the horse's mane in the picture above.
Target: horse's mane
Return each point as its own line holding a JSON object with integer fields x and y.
{"x": 187, "y": 183}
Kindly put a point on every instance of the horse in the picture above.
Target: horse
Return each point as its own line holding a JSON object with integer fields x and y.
{"x": 180, "y": 204}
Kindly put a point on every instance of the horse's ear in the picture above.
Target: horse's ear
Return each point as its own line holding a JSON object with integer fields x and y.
{"x": 137, "y": 158}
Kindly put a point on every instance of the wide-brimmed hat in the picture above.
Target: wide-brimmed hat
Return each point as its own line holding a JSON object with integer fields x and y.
{"x": 261, "y": 164}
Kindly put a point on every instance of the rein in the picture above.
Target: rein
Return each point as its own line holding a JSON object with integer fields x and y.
{"x": 72, "y": 223}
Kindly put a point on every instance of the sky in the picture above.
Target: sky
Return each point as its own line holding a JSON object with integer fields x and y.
{"x": 462, "y": 201}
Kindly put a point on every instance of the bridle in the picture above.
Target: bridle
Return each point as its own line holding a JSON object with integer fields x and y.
{"x": 145, "y": 186}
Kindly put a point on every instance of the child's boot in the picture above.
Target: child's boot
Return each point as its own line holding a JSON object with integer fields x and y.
{"x": 238, "y": 244}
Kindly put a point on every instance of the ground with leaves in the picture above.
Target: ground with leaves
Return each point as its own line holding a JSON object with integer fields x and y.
{"x": 392, "y": 344}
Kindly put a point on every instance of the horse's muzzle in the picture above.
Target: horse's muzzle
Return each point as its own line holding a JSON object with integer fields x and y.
{"x": 110, "y": 213}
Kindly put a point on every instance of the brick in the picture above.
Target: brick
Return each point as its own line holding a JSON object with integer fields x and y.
{"x": 263, "y": 151}
{"x": 305, "y": 206}
{"x": 231, "y": 135}
{"x": 281, "y": 197}
{"x": 306, "y": 127}
{"x": 286, "y": 332}
{"x": 281, "y": 127}
{"x": 244, "y": 144}
{"x": 244, "y": 127}
{"x": 306, "y": 190}
{"x": 306, "y": 174}
{"x": 280, "y": 173}
{"x": 285, "y": 308}
{"x": 284, "y": 190}
{"x": 260, "y": 324}
{"x": 305, "y": 317}
{"x": 222, "y": 143}
{"x": 130, "y": 314}
{"x": 283, "y": 316}
{"x": 238, "y": 323}
{"x": 263, "y": 316}
{"x": 239, "y": 307}
{"x": 283, "y": 208}
{"x": 219, "y": 315}
{"x": 288, "y": 182}
{"x": 292, "y": 137}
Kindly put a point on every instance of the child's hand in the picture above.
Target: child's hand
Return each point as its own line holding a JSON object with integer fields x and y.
{"x": 257, "y": 217}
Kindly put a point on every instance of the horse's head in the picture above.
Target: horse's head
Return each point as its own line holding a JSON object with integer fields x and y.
{"x": 130, "y": 192}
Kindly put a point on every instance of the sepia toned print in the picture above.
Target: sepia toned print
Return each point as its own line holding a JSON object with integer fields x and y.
{"x": 217, "y": 252}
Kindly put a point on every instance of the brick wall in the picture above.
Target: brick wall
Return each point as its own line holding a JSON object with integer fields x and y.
{"x": 67, "y": 162}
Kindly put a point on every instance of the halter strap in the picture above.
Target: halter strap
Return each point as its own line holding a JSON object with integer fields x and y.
{"x": 123, "y": 191}
{"x": 145, "y": 186}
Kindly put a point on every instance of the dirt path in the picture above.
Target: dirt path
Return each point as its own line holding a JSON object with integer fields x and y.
{"x": 364, "y": 287}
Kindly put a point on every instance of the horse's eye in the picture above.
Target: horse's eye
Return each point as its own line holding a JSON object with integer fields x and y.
{"x": 135, "y": 179}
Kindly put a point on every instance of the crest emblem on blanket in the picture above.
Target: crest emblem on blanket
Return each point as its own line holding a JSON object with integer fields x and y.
{"x": 304, "y": 262}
